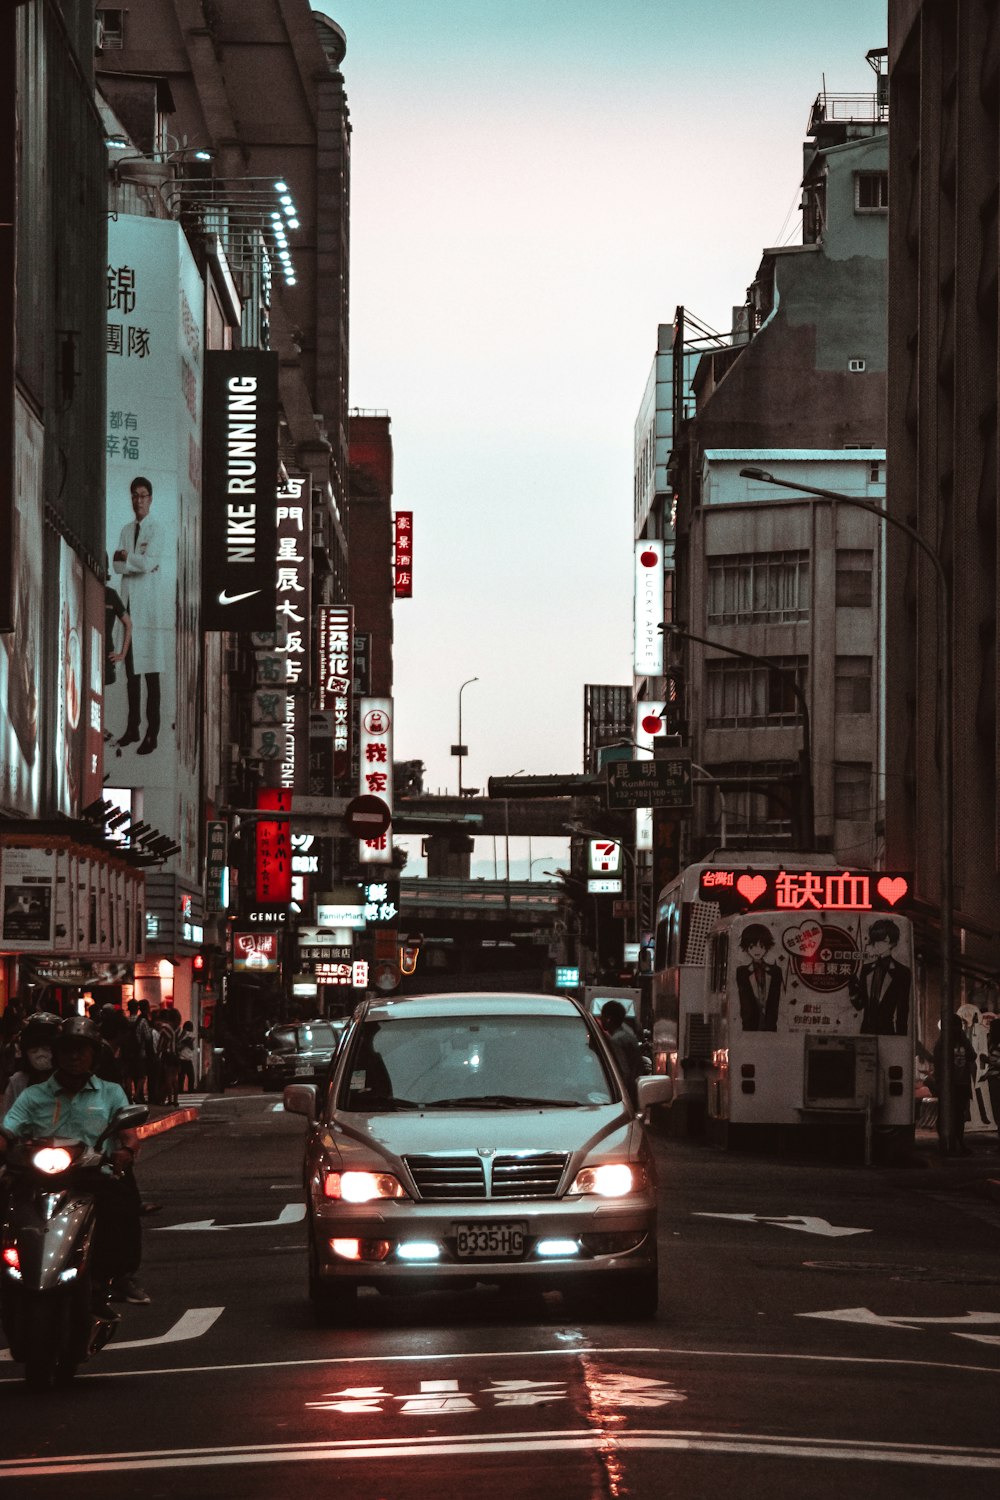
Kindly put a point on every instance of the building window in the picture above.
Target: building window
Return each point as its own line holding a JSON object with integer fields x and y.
{"x": 853, "y": 693}
{"x": 852, "y": 791}
{"x": 854, "y": 578}
{"x": 759, "y": 587}
{"x": 766, "y": 804}
{"x": 109, "y": 30}
{"x": 871, "y": 192}
{"x": 743, "y": 695}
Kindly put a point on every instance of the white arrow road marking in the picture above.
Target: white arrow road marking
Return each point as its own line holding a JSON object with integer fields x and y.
{"x": 980, "y": 1338}
{"x": 292, "y": 1213}
{"x": 805, "y": 1223}
{"x": 191, "y": 1325}
{"x": 864, "y": 1315}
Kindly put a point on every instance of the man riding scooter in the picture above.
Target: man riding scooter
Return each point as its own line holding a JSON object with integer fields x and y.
{"x": 73, "y": 1104}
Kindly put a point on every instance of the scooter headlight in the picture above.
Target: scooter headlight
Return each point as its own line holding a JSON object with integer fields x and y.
{"x": 51, "y": 1159}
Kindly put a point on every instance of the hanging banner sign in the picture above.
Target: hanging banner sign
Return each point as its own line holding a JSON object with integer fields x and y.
{"x": 238, "y": 508}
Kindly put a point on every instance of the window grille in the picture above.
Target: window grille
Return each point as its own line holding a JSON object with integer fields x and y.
{"x": 748, "y": 695}
{"x": 762, "y": 587}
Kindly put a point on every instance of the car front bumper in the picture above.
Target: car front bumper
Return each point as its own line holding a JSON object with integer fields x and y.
{"x": 605, "y": 1235}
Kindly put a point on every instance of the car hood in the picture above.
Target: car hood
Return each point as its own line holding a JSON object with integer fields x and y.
{"x": 455, "y": 1131}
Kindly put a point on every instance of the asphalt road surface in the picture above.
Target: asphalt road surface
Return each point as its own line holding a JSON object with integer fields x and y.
{"x": 822, "y": 1328}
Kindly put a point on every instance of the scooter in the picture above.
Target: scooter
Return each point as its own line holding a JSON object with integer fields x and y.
{"x": 46, "y": 1292}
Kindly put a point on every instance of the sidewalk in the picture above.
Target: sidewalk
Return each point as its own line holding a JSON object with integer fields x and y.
{"x": 978, "y": 1173}
{"x": 167, "y": 1116}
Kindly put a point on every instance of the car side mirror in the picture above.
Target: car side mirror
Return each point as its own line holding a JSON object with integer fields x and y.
{"x": 654, "y": 1089}
{"x": 301, "y": 1099}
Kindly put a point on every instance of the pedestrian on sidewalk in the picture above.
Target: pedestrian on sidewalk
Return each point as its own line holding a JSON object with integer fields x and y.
{"x": 185, "y": 1058}
{"x": 954, "y": 1051}
{"x": 166, "y": 1052}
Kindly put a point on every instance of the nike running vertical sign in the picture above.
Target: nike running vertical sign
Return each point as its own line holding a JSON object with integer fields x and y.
{"x": 239, "y": 507}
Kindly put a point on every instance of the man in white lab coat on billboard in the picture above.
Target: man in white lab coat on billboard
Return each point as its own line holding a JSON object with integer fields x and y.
{"x": 137, "y": 561}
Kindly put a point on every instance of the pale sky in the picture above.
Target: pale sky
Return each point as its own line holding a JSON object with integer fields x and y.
{"x": 536, "y": 184}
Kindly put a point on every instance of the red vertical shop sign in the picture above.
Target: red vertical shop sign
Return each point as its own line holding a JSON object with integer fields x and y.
{"x": 274, "y": 848}
{"x": 403, "y": 555}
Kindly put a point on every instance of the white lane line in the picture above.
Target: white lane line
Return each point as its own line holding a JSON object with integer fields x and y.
{"x": 190, "y": 1325}
{"x": 597, "y": 1440}
{"x": 949, "y": 1366}
{"x": 292, "y": 1213}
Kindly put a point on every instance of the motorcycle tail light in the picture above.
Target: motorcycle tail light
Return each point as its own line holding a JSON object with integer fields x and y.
{"x": 51, "y": 1160}
{"x": 11, "y": 1257}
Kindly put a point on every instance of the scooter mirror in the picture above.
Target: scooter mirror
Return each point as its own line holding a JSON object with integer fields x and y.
{"x": 124, "y": 1119}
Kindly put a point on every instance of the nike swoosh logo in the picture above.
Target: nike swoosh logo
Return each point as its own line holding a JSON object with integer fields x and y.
{"x": 226, "y": 598}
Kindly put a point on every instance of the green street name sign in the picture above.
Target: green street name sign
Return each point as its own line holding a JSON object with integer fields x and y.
{"x": 663, "y": 782}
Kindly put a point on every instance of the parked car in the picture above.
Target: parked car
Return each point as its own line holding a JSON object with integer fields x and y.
{"x": 478, "y": 1138}
{"x": 299, "y": 1049}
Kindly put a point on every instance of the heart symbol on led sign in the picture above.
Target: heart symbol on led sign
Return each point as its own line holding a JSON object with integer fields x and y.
{"x": 751, "y": 886}
{"x": 892, "y": 890}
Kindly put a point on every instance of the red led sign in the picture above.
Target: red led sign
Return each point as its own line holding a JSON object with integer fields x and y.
{"x": 805, "y": 890}
{"x": 274, "y": 848}
{"x": 403, "y": 555}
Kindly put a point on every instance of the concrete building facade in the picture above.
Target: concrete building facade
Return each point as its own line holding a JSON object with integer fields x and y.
{"x": 797, "y": 387}
{"x": 944, "y": 396}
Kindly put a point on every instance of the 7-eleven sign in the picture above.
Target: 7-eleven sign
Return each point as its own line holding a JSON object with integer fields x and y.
{"x": 604, "y": 857}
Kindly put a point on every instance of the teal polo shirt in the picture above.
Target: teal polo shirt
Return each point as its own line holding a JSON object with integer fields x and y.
{"x": 46, "y": 1111}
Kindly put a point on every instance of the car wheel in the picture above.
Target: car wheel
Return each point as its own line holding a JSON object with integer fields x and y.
{"x": 333, "y": 1302}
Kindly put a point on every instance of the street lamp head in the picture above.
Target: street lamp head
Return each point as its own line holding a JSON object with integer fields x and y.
{"x": 755, "y": 473}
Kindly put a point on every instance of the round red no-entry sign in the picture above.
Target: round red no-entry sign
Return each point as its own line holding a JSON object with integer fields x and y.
{"x": 367, "y": 817}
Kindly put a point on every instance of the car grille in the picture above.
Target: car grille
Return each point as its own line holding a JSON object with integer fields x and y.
{"x": 445, "y": 1177}
{"x": 536, "y": 1176}
{"x": 455, "y": 1177}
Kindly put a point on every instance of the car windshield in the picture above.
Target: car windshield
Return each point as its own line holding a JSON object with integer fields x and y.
{"x": 313, "y": 1038}
{"x": 474, "y": 1062}
{"x": 320, "y": 1037}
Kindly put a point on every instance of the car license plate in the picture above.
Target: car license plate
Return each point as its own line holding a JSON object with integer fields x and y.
{"x": 303, "y": 1067}
{"x": 489, "y": 1241}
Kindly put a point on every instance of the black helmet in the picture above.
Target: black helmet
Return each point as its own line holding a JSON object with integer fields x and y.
{"x": 40, "y": 1030}
{"x": 79, "y": 1028}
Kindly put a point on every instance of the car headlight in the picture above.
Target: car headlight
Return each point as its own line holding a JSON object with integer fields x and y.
{"x": 362, "y": 1187}
{"x": 612, "y": 1179}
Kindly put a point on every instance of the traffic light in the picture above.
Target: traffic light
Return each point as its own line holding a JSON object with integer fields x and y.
{"x": 198, "y": 965}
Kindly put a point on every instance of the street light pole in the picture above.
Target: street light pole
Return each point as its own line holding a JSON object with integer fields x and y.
{"x": 460, "y": 748}
{"x": 945, "y": 1130}
{"x": 805, "y": 756}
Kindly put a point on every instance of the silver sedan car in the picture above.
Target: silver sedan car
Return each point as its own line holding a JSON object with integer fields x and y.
{"x": 478, "y": 1138}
